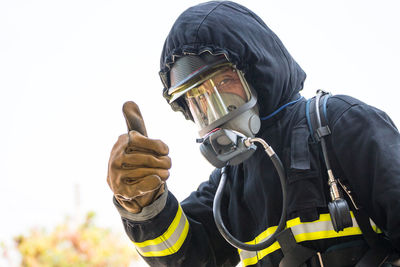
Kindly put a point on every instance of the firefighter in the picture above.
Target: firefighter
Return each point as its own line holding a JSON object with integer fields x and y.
{"x": 225, "y": 70}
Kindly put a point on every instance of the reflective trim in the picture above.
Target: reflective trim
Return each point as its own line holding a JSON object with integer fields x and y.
{"x": 319, "y": 229}
{"x": 169, "y": 242}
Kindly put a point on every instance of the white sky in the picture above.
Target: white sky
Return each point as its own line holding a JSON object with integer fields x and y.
{"x": 66, "y": 68}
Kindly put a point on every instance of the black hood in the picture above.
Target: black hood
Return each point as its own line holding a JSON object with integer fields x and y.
{"x": 223, "y": 27}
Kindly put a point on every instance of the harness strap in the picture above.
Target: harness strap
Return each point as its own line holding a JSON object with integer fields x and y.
{"x": 312, "y": 120}
{"x": 339, "y": 257}
{"x": 294, "y": 254}
{"x": 373, "y": 257}
{"x": 379, "y": 247}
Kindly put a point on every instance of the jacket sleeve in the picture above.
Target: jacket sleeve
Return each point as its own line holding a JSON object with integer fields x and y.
{"x": 366, "y": 144}
{"x": 180, "y": 234}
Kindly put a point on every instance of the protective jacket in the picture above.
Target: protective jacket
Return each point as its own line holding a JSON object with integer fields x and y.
{"x": 364, "y": 146}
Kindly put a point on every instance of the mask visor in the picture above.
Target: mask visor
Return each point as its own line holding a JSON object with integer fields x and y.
{"x": 214, "y": 95}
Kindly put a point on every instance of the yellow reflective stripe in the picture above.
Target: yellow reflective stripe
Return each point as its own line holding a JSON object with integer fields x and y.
{"x": 167, "y": 233}
{"x": 250, "y": 261}
{"x": 169, "y": 242}
{"x": 328, "y": 234}
{"x": 302, "y": 232}
{"x": 170, "y": 250}
{"x": 375, "y": 227}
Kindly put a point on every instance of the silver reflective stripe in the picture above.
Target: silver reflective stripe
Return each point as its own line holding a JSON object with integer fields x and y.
{"x": 247, "y": 254}
{"x": 320, "y": 229}
{"x": 317, "y": 226}
{"x": 169, "y": 242}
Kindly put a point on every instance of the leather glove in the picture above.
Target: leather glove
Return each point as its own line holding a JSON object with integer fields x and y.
{"x": 138, "y": 166}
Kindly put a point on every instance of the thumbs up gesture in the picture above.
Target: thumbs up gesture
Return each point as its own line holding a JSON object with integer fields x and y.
{"x": 138, "y": 166}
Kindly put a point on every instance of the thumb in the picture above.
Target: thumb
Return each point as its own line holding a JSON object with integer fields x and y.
{"x": 133, "y": 117}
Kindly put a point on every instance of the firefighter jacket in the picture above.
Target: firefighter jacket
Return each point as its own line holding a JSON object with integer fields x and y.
{"x": 364, "y": 146}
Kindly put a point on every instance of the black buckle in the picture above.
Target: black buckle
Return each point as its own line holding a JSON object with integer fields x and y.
{"x": 323, "y": 131}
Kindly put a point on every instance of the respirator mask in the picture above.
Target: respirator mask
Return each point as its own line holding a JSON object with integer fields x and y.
{"x": 221, "y": 104}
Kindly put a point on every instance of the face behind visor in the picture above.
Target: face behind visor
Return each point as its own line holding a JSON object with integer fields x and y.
{"x": 216, "y": 96}
{"x": 221, "y": 103}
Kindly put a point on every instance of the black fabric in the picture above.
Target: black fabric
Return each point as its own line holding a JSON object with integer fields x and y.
{"x": 305, "y": 189}
{"x": 252, "y": 202}
{"x": 224, "y": 27}
{"x": 371, "y": 165}
{"x": 348, "y": 256}
{"x": 300, "y": 154}
{"x": 373, "y": 258}
{"x": 153, "y": 228}
{"x": 379, "y": 248}
{"x": 366, "y": 154}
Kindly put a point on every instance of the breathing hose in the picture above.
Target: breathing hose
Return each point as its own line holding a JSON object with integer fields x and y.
{"x": 218, "y": 197}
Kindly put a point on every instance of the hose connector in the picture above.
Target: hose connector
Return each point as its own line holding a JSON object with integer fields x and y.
{"x": 268, "y": 149}
{"x": 333, "y": 187}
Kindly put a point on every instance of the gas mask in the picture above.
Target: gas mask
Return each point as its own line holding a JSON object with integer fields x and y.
{"x": 220, "y": 102}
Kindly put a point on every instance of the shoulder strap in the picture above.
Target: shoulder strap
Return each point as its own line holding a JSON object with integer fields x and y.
{"x": 312, "y": 114}
{"x": 318, "y": 125}
{"x": 338, "y": 207}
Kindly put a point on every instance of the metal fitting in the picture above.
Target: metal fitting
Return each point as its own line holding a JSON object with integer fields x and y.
{"x": 268, "y": 149}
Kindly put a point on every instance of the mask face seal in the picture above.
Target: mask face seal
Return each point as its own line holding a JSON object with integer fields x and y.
{"x": 223, "y": 107}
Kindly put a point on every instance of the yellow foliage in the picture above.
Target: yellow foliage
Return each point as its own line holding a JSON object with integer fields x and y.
{"x": 81, "y": 246}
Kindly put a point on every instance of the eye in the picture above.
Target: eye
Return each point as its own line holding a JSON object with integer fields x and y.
{"x": 225, "y": 81}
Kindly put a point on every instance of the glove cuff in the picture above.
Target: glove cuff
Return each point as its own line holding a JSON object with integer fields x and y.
{"x": 148, "y": 212}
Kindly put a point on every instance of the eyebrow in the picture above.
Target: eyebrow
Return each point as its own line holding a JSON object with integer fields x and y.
{"x": 226, "y": 75}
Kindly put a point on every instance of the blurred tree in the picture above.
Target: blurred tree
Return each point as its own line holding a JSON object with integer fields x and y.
{"x": 83, "y": 245}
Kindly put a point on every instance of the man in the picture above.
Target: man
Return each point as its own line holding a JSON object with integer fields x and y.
{"x": 223, "y": 68}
